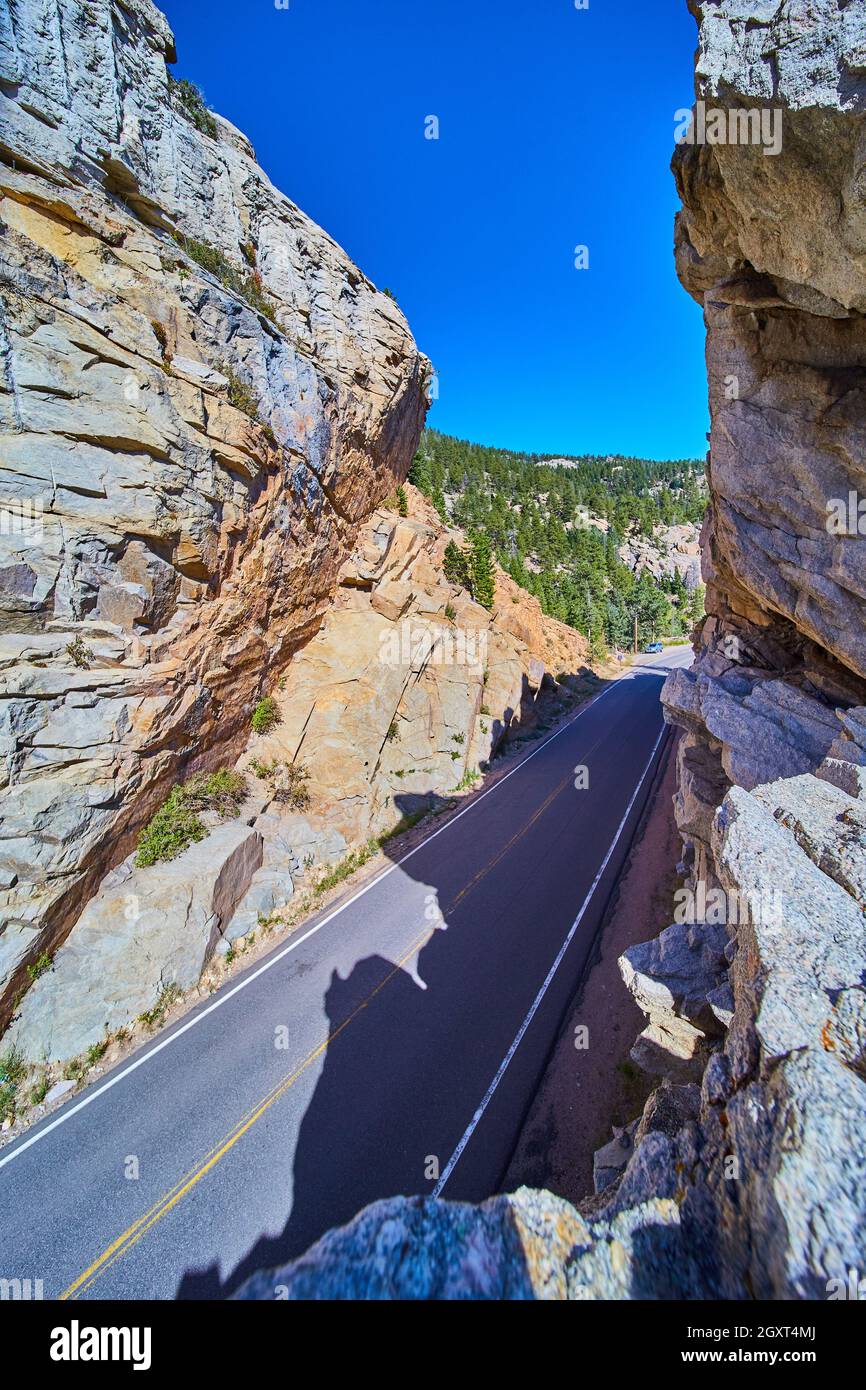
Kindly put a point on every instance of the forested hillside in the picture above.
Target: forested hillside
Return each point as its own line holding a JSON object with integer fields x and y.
{"x": 558, "y": 527}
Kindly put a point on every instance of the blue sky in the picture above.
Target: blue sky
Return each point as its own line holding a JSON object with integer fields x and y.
{"x": 555, "y": 130}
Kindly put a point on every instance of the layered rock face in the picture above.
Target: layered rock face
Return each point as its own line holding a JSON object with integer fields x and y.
{"x": 410, "y": 687}
{"x": 773, "y": 247}
{"x": 201, "y": 399}
{"x": 406, "y": 690}
{"x": 745, "y": 1175}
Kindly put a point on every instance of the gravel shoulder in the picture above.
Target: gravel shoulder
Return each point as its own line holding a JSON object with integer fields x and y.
{"x": 586, "y": 1091}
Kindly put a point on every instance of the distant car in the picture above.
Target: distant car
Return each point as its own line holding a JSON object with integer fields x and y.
{"x": 654, "y": 647}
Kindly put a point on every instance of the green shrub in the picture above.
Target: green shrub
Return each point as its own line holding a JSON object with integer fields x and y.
{"x": 223, "y": 791}
{"x": 96, "y": 1052}
{"x": 266, "y": 715}
{"x": 346, "y": 867}
{"x": 239, "y": 394}
{"x": 402, "y": 501}
{"x": 248, "y": 287}
{"x": 39, "y": 1091}
{"x": 405, "y": 823}
{"x": 169, "y": 995}
{"x": 173, "y": 829}
{"x": 159, "y": 332}
{"x": 12, "y": 1071}
{"x": 469, "y": 778}
{"x": 177, "y": 824}
{"x": 290, "y": 784}
{"x": 190, "y": 99}
{"x": 78, "y": 653}
{"x": 39, "y": 967}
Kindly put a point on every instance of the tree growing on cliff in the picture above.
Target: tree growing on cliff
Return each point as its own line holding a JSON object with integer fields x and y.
{"x": 482, "y": 572}
{"x": 455, "y": 567}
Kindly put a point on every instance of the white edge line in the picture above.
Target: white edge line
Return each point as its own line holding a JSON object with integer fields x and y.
{"x": 503, "y": 1066}
{"x": 91, "y": 1096}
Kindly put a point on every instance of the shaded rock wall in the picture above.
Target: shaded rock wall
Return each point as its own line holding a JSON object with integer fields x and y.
{"x": 410, "y": 687}
{"x": 406, "y": 690}
{"x": 185, "y": 456}
{"x": 773, "y": 246}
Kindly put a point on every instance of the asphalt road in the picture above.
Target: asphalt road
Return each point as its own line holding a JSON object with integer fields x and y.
{"x": 376, "y": 1047}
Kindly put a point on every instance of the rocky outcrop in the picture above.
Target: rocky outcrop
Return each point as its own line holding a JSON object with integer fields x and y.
{"x": 403, "y": 695}
{"x": 772, "y": 246}
{"x": 671, "y": 550}
{"x": 410, "y": 687}
{"x": 750, "y": 1185}
{"x": 201, "y": 400}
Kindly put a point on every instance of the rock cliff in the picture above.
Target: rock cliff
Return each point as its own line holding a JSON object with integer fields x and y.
{"x": 745, "y": 1175}
{"x": 203, "y": 406}
{"x": 201, "y": 400}
{"x": 407, "y": 690}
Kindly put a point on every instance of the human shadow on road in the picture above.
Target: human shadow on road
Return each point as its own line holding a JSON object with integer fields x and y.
{"x": 349, "y": 1151}
{"x": 339, "y": 1127}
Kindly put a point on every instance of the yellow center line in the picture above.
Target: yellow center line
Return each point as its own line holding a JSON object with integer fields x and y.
{"x": 482, "y": 873}
{"x": 170, "y": 1199}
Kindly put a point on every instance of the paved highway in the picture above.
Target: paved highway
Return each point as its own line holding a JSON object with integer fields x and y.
{"x": 391, "y": 1045}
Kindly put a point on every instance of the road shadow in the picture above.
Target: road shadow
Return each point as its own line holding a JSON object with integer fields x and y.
{"x": 348, "y": 1125}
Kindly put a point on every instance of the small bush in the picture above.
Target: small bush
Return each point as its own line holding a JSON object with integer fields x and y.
{"x": 266, "y": 715}
{"x": 161, "y": 336}
{"x": 239, "y": 394}
{"x": 177, "y": 825}
{"x": 405, "y": 823}
{"x": 223, "y": 792}
{"x": 78, "y": 653}
{"x": 248, "y": 287}
{"x": 39, "y": 967}
{"x": 402, "y": 502}
{"x": 12, "y": 1071}
{"x": 190, "y": 99}
{"x": 170, "y": 994}
{"x": 450, "y": 612}
{"x": 39, "y": 1091}
{"x": 469, "y": 778}
{"x": 96, "y": 1052}
{"x": 291, "y": 786}
{"x": 393, "y": 731}
{"x": 173, "y": 829}
{"x": 346, "y": 867}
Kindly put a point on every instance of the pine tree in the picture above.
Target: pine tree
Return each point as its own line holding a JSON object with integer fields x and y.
{"x": 454, "y": 566}
{"x": 482, "y": 570}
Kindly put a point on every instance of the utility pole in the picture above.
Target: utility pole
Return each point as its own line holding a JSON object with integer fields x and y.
{"x": 635, "y": 632}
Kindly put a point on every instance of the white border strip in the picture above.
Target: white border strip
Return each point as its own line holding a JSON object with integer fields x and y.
{"x": 223, "y": 998}
{"x": 476, "y": 1118}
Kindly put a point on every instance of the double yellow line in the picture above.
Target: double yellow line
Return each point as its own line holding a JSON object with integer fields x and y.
{"x": 170, "y": 1199}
